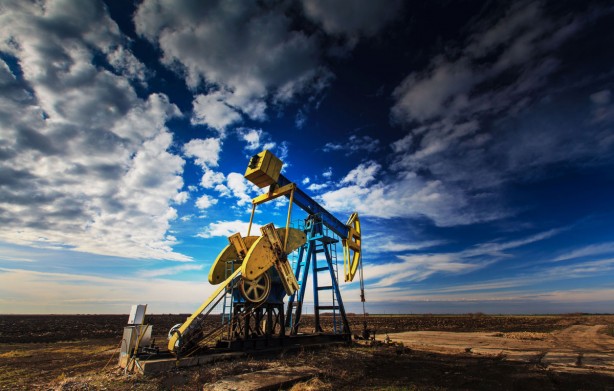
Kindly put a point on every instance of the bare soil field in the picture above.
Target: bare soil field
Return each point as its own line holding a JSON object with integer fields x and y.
{"x": 426, "y": 352}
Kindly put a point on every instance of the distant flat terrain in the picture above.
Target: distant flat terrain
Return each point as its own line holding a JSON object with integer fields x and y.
{"x": 54, "y": 328}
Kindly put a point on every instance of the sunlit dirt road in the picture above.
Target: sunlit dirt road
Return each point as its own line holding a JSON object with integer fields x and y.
{"x": 577, "y": 348}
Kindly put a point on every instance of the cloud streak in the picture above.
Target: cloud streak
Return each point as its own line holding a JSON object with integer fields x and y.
{"x": 60, "y": 293}
{"x": 418, "y": 267}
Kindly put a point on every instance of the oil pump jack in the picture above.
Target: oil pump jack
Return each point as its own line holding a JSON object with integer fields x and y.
{"x": 260, "y": 290}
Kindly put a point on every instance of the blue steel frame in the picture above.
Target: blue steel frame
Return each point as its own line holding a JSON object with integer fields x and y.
{"x": 317, "y": 243}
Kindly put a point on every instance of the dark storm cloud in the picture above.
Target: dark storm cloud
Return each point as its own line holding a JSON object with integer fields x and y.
{"x": 11, "y": 86}
{"x": 107, "y": 171}
{"x": 352, "y": 18}
{"x": 247, "y": 55}
{"x": 482, "y": 116}
{"x": 21, "y": 194}
{"x": 487, "y": 110}
{"x": 13, "y": 178}
{"x": 30, "y": 138}
{"x": 6, "y": 153}
{"x": 252, "y": 56}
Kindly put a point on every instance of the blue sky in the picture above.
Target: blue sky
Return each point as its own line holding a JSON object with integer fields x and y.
{"x": 475, "y": 140}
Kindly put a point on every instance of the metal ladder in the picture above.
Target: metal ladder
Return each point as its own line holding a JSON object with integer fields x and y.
{"x": 327, "y": 246}
{"x": 227, "y": 306}
{"x": 319, "y": 241}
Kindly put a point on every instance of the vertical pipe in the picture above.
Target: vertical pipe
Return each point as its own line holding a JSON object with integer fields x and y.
{"x": 251, "y": 219}
{"x": 299, "y": 307}
{"x": 314, "y": 278}
{"x": 337, "y": 292}
{"x": 288, "y": 220}
{"x": 296, "y": 295}
{"x": 282, "y": 322}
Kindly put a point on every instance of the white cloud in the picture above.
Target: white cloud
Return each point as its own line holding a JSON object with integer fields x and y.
{"x": 385, "y": 243}
{"x": 241, "y": 188}
{"x": 213, "y": 111}
{"x": 317, "y": 186}
{"x": 181, "y": 197}
{"x": 409, "y": 196}
{"x": 270, "y": 145}
{"x": 497, "y": 248}
{"x": 417, "y": 268}
{"x": 227, "y": 228}
{"x": 144, "y": 119}
{"x": 282, "y": 153}
{"x": 211, "y": 179}
{"x": 252, "y": 138}
{"x": 206, "y": 152}
{"x": 256, "y": 139}
{"x": 306, "y": 181}
{"x": 205, "y": 201}
{"x": 363, "y": 174}
{"x": 587, "y": 251}
{"x": 90, "y": 166}
{"x": 124, "y": 62}
{"x": 223, "y": 190}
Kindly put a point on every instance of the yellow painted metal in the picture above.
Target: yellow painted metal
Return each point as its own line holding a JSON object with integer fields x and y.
{"x": 271, "y": 233}
{"x": 288, "y": 219}
{"x": 295, "y": 240}
{"x": 217, "y": 273}
{"x": 256, "y": 291}
{"x": 351, "y": 248}
{"x": 274, "y": 192}
{"x": 261, "y": 255}
{"x": 259, "y": 259}
{"x": 251, "y": 219}
{"x": 288, "y": 279}
{"x": 281, "y": 263}
{"x": 175, "y": 338}
{"x": 263, "y": 169}
{"x": 239, "y": 244}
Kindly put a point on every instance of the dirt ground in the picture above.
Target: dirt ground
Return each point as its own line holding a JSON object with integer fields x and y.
{"x": 572, "y": 352}
{"x": 578, "y": 348}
